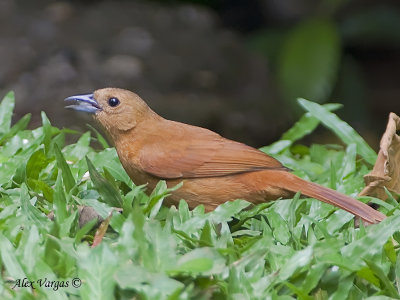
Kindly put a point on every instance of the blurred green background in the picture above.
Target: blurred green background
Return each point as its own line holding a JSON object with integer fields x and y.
{"x": 234, "y": 66}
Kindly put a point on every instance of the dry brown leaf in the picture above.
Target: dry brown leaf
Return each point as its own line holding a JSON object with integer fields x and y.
{"x": 101, "y": 231}
{"x": 386, "y": 171}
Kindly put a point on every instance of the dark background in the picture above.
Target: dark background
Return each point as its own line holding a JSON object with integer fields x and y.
{"x": 234, "y": 66}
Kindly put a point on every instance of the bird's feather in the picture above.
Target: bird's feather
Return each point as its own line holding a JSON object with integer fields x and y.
{"x": 198, "y": 152}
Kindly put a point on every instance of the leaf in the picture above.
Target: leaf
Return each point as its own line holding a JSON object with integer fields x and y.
{"x": 157, "y": 196}
{"x": 390, "y": 251}
{"x": 397, "y": 272}
{"x": 85, "y": 230}
{"x": 372, "y": 243}
{"x": 19, "y": 126}
{"x": 81, "y": 148}
{"x": 68, "y": 179}
{"x": 46, "y": 131}
{"x": 276, "y": 147}
{"x": 153, "y": 285}
{"x": 367, "y": 274}
{"x": 333, "y": 178}
{"x": 59, "y": 202}
{"x": 9, "y": 259}
{"x": 31, "y": 248}
{"x": 383, "y": 278}
{"x": 347, "y": 134}
{"x": 36, "y": 163}
{"x": 313, "y": 276}
{"x": 299, "y": 292}
{"x": 59, "y": 140}
{"x": 279, "y": 227}
{"x": 97, "y": 268}
{"x": 19, "y": 174}
{"x": 99, "y": 137}
{"x": 206, "y": 234}
{"x": 32, "y": 213}
{"x": 109, "y": 194}
{"x": 108, "y": 158}
{"x": 349, "y": 162}
{"x": 306, "y": 124}
{"x": 101, "y": 231}
{"x": 385, "y": 172}
{"x": 346, "y": 283}
{"x": 299, "y": 260}
{"x": 194, "y": 266}
{"x": 309, "y": 60}
{"x": 225, "y": 211}
{"x": 205, "y": 261}
{"x": 6, "y": 110}
{"x": 40, "y": 186}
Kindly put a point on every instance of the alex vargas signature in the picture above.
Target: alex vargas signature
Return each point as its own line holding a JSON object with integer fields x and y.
{"x": 45, "y": 283}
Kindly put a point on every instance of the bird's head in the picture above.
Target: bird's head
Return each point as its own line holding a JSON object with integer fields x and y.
{"x": 116, "y": 109}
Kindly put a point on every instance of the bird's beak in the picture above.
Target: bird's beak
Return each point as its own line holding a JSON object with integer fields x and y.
{"x": 85, "y": 103}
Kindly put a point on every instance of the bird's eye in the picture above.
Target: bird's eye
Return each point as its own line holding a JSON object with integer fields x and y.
{"x": 113, "y": 101}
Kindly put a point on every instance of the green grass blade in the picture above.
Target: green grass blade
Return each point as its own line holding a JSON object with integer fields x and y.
{"x": 85, "y": 230}
{"x": 60, "y": 202}
{"x": 30, "y": 211}
{"x": 372, "y": 243}
{"x": 97, "y": 267}
{"x": 108, "y": 192}
{"x": 346, "y": 283}
{"x": 68, "y": 179}
{"x": 6, "y": 110}
{"x": 99, "y": 137}
{"x": 349, "y": 162}
{"x": 9, "y": 259}
{"x": 377, "y": 270}
{"x": 157, "y": 196}
{"x": 35, "y": 164}
{"x": 46, "y": 131}
{"x": 299, "y": 260}
{"x": 19, "y": 126}
{"x": 347, "y": 134}
{"x": 306, "y": 124}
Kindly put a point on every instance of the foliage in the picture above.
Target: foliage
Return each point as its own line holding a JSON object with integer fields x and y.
{"x": 299, "y": 248}
{"x": 306, "y": 57}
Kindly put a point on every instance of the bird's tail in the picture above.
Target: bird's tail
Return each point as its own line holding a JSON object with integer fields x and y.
{"x": 332, "y": 197}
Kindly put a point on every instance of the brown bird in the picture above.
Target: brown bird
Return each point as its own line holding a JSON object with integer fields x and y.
{"x": 213, "y": 169}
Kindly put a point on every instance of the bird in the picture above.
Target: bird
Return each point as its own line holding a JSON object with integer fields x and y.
{"x": 211, "y": 168}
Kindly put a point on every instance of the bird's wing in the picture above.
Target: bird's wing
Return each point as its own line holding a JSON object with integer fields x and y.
{"x": 195, "y": 152}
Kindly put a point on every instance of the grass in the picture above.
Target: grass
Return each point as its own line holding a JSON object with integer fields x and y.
{"x": 287, "y": 249}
